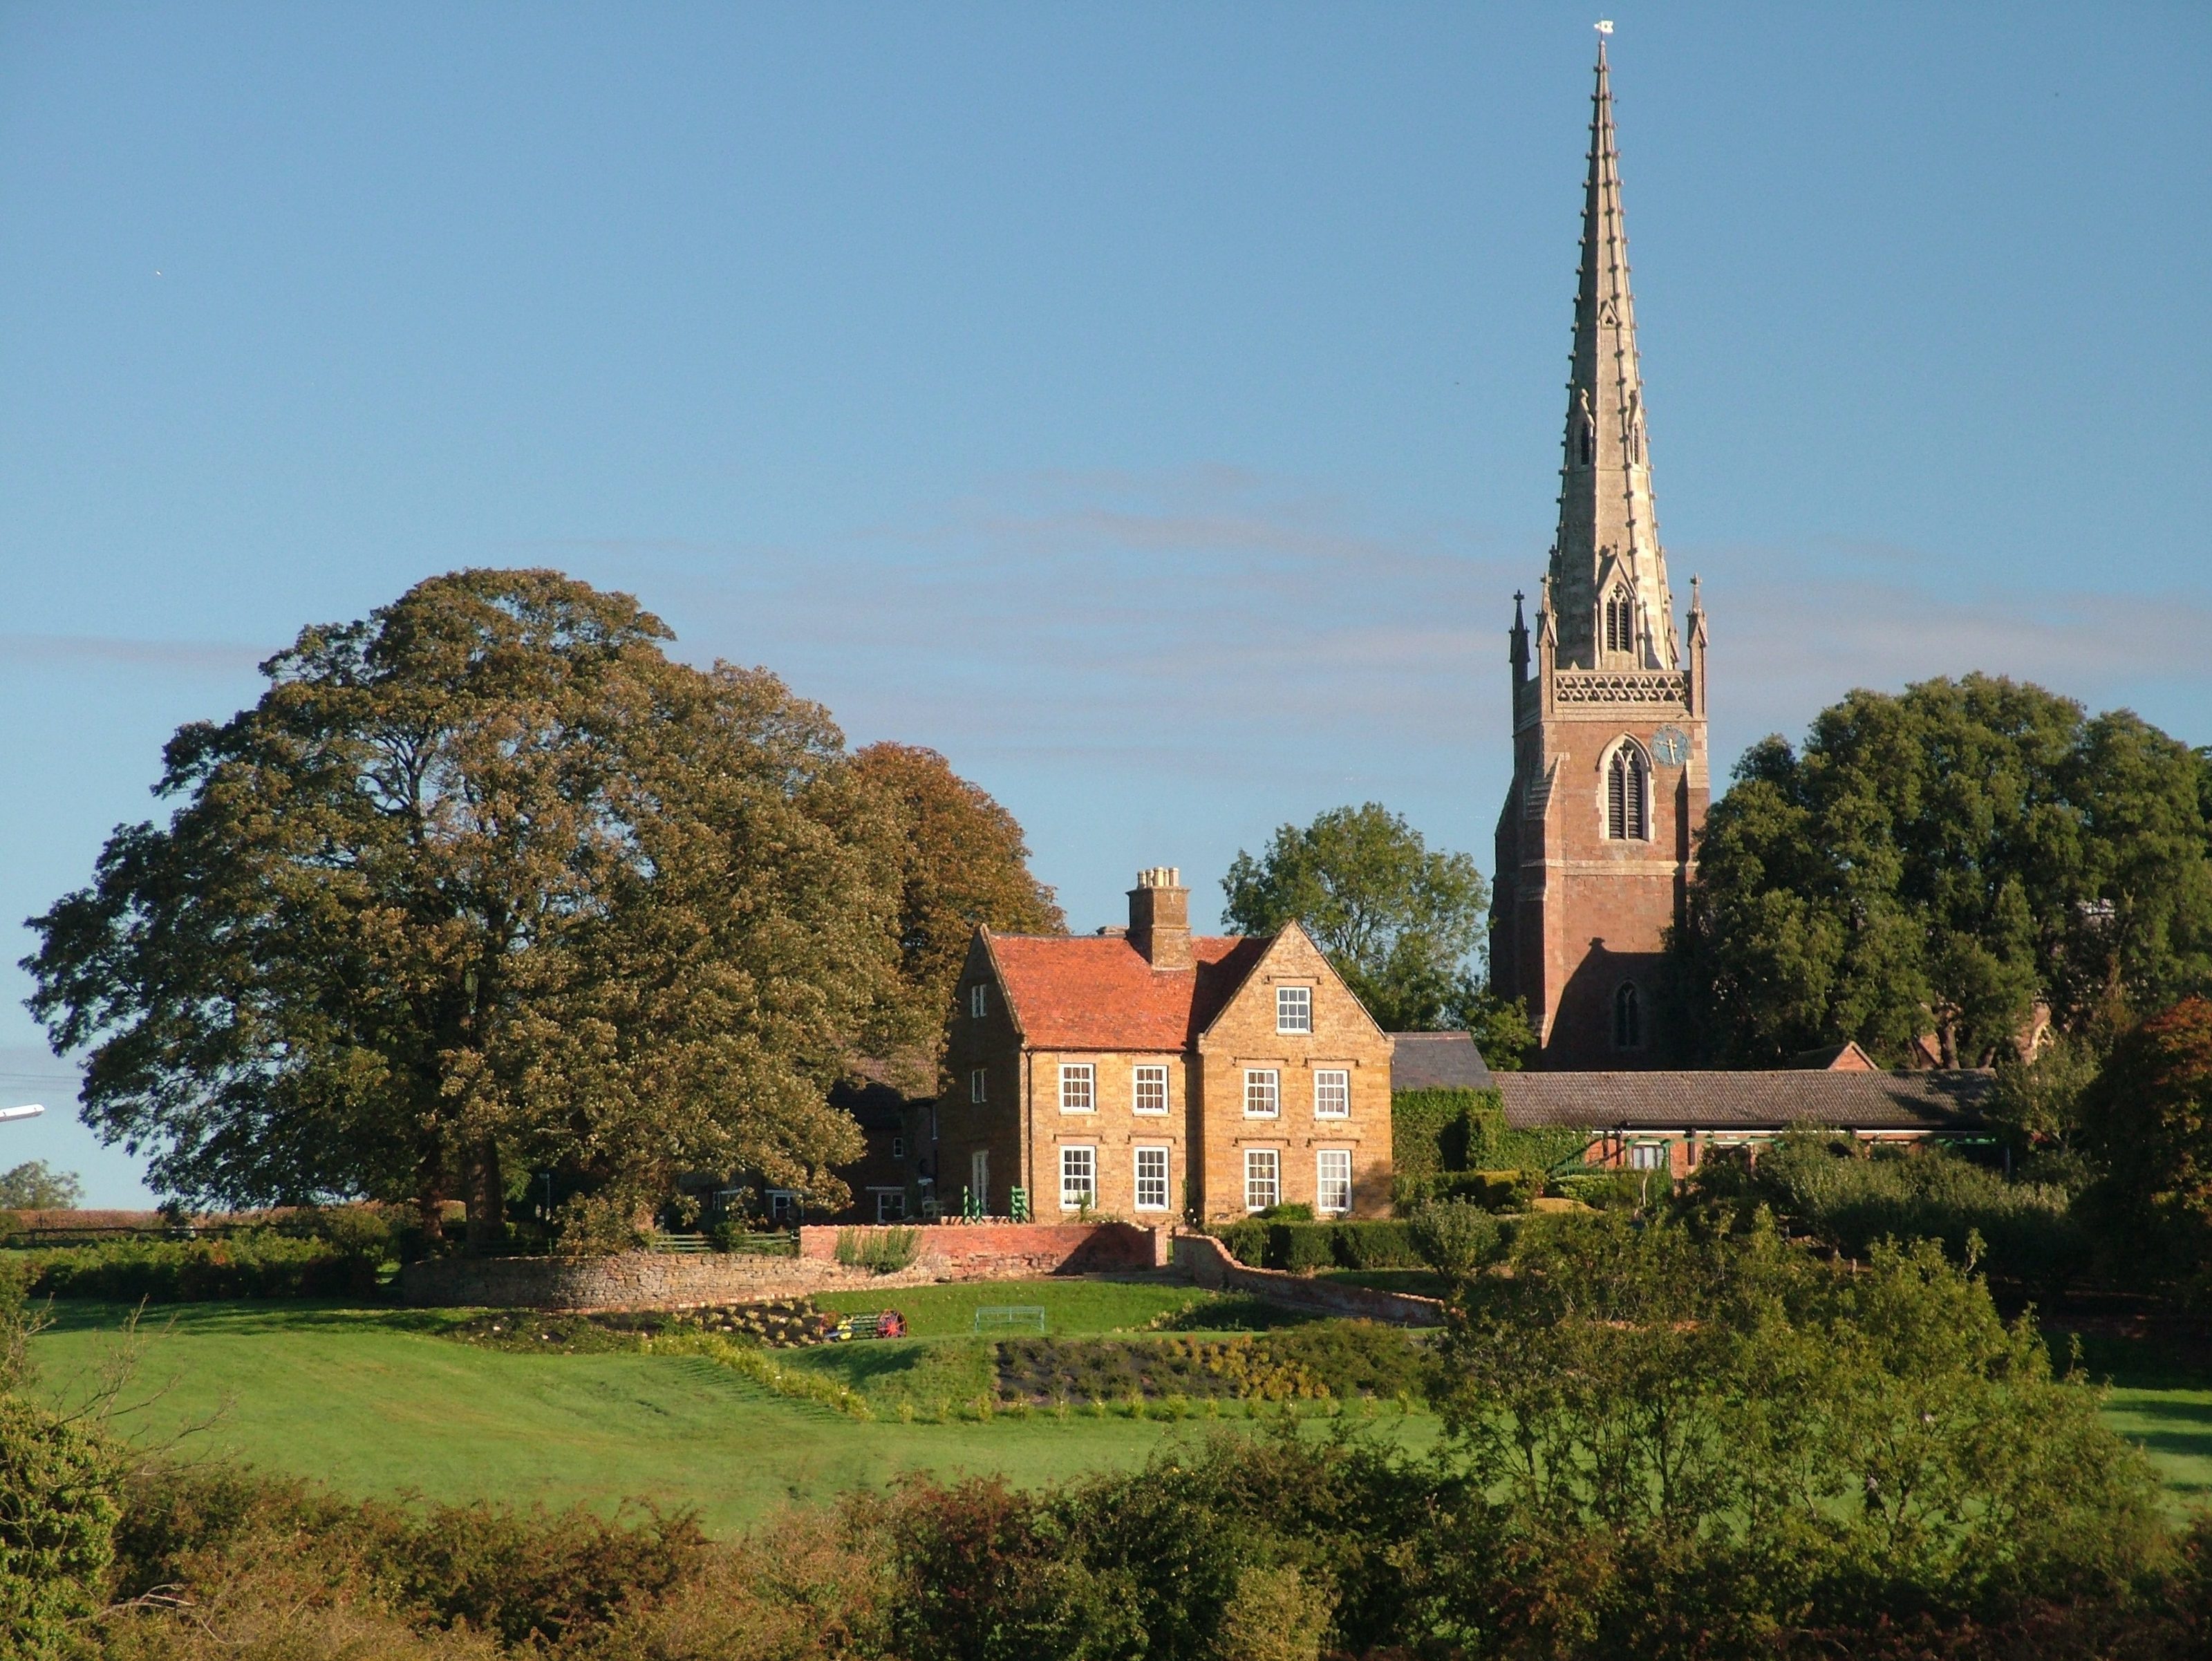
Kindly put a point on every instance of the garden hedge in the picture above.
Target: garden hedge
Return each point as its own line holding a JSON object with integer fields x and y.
{"x": 1302, "y": 1248}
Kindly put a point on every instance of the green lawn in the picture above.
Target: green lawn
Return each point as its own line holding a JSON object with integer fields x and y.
{"x": 375, "y": 1402}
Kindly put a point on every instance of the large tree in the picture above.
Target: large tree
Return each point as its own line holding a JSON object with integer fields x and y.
{"x": 1402, "y": 922}
{"x": 1936, "y": 862}
{"x": 481, "y": 881}
{"x": 963, "y": 864}
{"x": 2146, "y": 1120}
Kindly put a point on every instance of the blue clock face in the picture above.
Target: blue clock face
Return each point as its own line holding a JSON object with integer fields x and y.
{"x": 1671, "y": 745}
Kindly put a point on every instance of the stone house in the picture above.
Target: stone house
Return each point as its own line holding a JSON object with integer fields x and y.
{"x": 1149, "y": 1073}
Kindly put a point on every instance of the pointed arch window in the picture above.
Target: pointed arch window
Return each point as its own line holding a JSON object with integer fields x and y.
{"x": 1620, "y": 622}
{"x": 1627, "y": 1018}
{"x": 1628, "y": 795}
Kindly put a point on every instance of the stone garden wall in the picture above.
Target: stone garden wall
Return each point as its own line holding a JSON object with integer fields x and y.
{"x": 656, "y": 1280}
{"x": 1014, "y": 1251}
{"x": 632, "y": 1279}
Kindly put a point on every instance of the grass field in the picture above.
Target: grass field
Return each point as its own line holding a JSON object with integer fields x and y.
{"x": 375, "y": 1402}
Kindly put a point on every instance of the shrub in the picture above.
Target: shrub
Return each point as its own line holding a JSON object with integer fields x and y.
{"x": 1292, "y": 1211}
{"x": 1492, "y": 1191}
{"x": 885, "y": 1251}
{"x": 1247, "y": 1242}
{"x": 257, "y": 1265}
{"x": 1436, "y": 1131}
{"x": 1301, "y": 1248}
{"x": 1832, "y": 1188}
{"x": 58, "y": 1514}
{"x": 1375, "y": 1246}
{"x": 1612, "y": 1191}
{"x": 1452, "y": 1237}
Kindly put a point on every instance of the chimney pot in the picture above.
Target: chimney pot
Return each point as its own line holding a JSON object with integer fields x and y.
{"x": 1159, "y": 917}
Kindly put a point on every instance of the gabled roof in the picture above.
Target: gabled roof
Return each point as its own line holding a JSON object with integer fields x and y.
{"x": 1948, "y": 1101}
{"x": 1845, "y": 1058}
{"x": 1097, "y": 992}
{"x": 1436, "y": 1060}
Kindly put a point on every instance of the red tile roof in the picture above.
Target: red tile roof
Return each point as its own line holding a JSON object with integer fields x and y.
{"x": 1096, "y": 992}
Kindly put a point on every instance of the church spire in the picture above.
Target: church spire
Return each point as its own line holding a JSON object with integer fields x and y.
{"x": 1608, "y": 574}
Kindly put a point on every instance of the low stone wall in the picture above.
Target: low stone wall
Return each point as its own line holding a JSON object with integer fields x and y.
{"x": 1015, "y": 1251}
{"x": 1209, "y": 1263}
{"x": 632, "y": 1279}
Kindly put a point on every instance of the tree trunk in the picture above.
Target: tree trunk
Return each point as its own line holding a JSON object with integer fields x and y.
{"x": 487, "y": 1196}
{"x": 430, "y": 1203}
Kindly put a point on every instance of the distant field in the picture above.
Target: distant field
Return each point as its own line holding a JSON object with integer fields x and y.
{"x": 375, "y": 1402}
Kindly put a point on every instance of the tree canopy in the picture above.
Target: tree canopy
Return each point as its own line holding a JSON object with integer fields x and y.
{"x": 485, "y": 881}
{"x": 963, "y": 864}
{"x": 1400, "y": 922}
{"x": 1938, "y": 862}
{"x": 2146, "y": 1120}
{"x": 34, "y": 1185}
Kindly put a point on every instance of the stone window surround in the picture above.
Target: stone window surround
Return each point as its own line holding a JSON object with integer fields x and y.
{"x": 1078, "y": 1175}
{"x": 1323, "y": 1180}
{"x": 1263, "y": 1084}
{"x": 1263, "y": 1191}
{"x": 1138, "y": 1079}
{"x": 1079, "y": 1087}
{"x": 1140, "y": 1179}
{"x": 1341, "y": 1078}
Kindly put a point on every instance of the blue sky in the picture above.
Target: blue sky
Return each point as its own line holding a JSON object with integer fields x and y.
{"x": 1152, "y": 407}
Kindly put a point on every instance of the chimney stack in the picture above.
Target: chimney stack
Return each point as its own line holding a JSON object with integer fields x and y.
{"x": 1159, "y": 917}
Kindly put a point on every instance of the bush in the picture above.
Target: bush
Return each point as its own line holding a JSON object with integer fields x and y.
{"x": 1291, "y": 1211}
{"x": 261, "y": 1264}
{"x": 1436, "y": 1131}
{"x": 1834, "y": 1188}
{"x": 1613, "y": 1191}
{"x": 58, "y": 1514}
{"x": 1452, "y": 1237}
{"x": 1492, "y": 1191}
{"x": 1375, "y": 1246}
{"x": 885, "y": 1251}
{"x": 1301, "y": 1248}
{"x": 1247, "y": 1242}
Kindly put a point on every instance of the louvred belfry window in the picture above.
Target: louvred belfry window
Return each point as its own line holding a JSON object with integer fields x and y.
{"x": 1619, "y": 623}
{"x": 1628, "y": 796}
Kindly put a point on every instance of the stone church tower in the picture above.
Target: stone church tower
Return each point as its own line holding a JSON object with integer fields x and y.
{"x": 1609, "y": 778}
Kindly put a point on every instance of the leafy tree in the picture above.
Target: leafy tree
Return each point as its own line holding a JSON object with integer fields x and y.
{"x": 1400, "y": 922}
{"x": 2148, "y": 1120}
{"x": 36, "y": 1186}
{"x": 963, "y": 864}
{"x": 481, "y": 882}
{"x": 1688, "y": 1443}
{"x": 1938, "y": 860}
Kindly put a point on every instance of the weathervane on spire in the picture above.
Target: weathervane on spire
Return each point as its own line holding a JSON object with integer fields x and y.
{"x": 1605, "y": 25}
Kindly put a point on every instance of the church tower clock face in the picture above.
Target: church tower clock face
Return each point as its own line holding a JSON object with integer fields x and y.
{"x": 1671, "y": 745}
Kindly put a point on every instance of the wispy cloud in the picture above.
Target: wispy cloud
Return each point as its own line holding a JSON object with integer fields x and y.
{"x": 1211, "y": 624}
{"x": 198, "y": 656}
